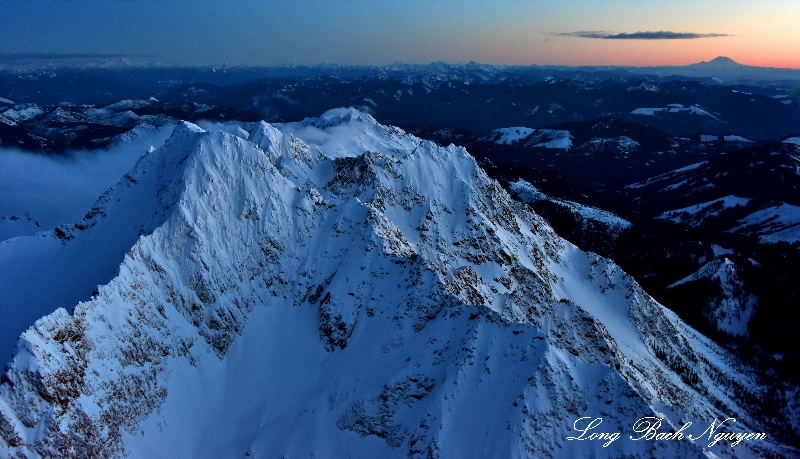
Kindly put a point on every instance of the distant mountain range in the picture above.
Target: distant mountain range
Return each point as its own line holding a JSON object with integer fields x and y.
{"x": 725, "y": 69}
{"x": 721, "y": 69}
{"x": 473, "y": 97}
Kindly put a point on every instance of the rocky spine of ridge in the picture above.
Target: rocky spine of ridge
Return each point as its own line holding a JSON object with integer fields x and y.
{"x": 379, "y": 234}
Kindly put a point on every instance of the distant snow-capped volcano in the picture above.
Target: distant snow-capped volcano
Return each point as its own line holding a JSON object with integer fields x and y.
{"x": 339, "y": 288}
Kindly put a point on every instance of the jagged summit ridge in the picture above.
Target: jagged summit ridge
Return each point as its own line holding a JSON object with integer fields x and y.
{"x": 340, "y": 285}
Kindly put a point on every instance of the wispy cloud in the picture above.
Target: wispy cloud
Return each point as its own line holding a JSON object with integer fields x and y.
{"x": 659, "y": 35}
{"x": 48, "y": 56}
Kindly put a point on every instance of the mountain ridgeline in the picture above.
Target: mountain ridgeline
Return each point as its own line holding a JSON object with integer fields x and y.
{"x": 377, "y": 289}
{"x": 682, "y": 101}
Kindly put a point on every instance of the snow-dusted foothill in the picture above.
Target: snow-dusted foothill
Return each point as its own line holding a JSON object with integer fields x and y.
{"x": 339, "y": 288}
{"x": 736, "y": 139}
{"x": 673, "y": 108}
{"x": 780, "y": 222}
{"x": 695, "y": 214}
{"x": 542, "y": 138}
{"x": 623, "y": 144}
{"x": 609, "y": 222}
{"x": 508, "y": 136}
{"x": 733, "y": 306}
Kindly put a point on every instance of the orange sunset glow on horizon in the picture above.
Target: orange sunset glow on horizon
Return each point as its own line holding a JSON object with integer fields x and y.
{"x": 542, "y": 32}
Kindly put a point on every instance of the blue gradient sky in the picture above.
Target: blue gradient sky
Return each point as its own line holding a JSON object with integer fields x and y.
{"x": 761, "y": 32}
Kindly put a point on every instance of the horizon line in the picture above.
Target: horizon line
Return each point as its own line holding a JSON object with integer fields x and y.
{"x": 10, "y": 60}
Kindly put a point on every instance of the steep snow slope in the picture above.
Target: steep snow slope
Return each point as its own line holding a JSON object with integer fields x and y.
{"x": 60, "y": 267}
{"x": 44, "y": 269}
{"x": 39, "y": 192}
{"x": 339, "y": 288}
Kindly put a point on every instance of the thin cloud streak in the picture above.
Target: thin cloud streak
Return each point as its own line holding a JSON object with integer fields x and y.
{"x": 659, "y": 35}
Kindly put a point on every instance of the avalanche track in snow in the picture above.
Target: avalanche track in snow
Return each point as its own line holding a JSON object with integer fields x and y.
{"x": 339, "y": 288}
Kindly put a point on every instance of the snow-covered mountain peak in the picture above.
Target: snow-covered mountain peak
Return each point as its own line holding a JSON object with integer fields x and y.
{"x": 337, "y": 285}
{"x": 730, "y": 306}
{"x": 187, "y": 127}
{"x": 337, "y": 116}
